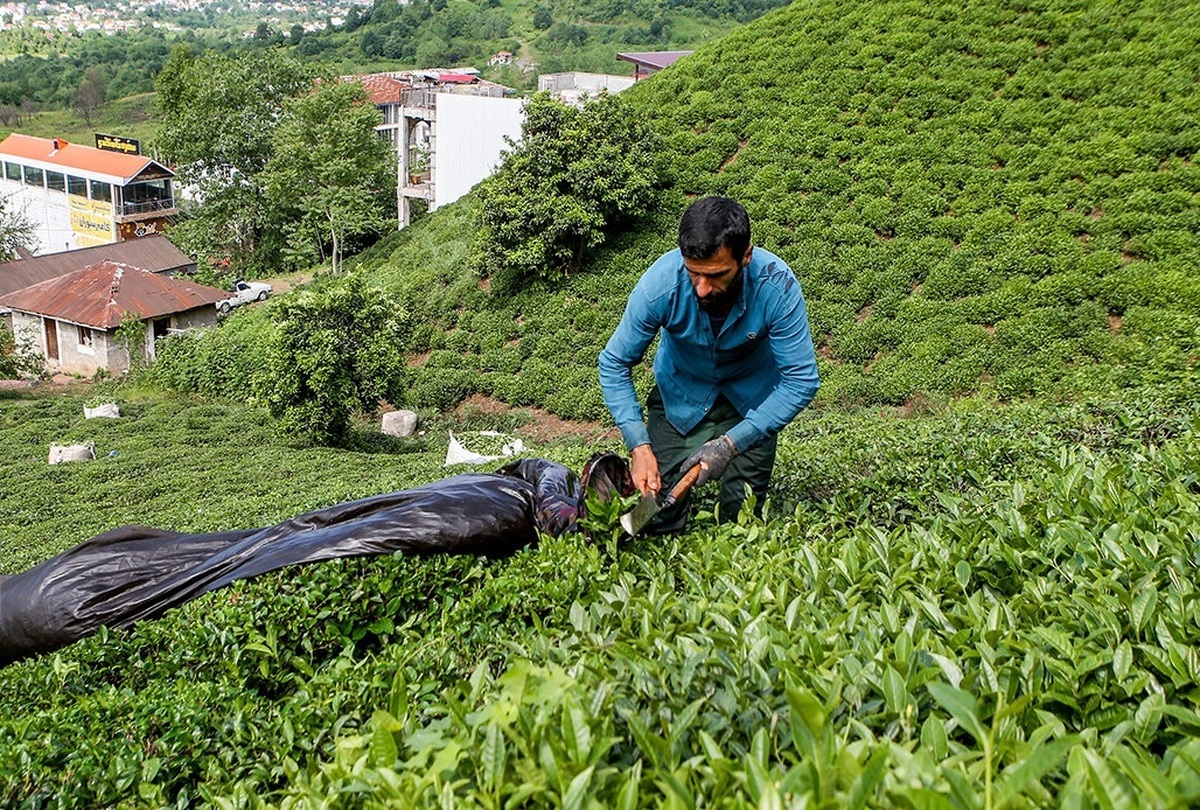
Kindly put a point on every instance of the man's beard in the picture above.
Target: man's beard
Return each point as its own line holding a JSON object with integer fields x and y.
{"x": 721, "y": 303}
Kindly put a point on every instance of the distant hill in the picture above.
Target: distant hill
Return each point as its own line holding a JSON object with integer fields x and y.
{"x": 980, "y": 196}
{"x": 42, "y": 72}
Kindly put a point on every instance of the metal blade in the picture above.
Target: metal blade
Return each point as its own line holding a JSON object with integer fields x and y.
{"x": 636, "y": 518}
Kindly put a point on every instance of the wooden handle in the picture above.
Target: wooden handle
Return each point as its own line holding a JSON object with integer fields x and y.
{"x": 685, "y": 483}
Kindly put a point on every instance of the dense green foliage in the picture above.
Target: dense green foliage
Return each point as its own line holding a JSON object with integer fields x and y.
{"x": 1038, "y": 560}
{"x": 576, "y": 176}
{"x": 971, "y": 194}
{"x": 218, "y": 127}
{"x": 46, "y": 71}
{"x": 973, "y": 199}
{"x": 49, "y": 71}
{"x": 17, "y": 360}
{"x": 285, "y": 173}
{"x": 337, "y": 352}
{"x": 330, "y": 177}
{"x": 315, "y": 359}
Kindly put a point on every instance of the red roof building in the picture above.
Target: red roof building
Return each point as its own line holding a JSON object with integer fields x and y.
{"x": 72, "y": 319}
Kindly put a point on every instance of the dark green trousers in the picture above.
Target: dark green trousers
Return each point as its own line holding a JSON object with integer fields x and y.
{"x": 752, "y": 467}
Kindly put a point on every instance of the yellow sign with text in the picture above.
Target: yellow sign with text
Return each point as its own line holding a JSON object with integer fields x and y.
{"x": 91, "y": 221}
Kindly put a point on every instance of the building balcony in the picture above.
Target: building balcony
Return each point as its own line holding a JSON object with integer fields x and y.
{"x": 145, "y": 209}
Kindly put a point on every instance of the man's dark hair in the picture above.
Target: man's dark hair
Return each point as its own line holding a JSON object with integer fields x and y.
{"x": 711, "y": 223}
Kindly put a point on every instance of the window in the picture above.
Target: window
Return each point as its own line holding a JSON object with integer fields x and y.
{"x": 12, "y": 171}
{"x": 76, "y": 186}
{"x": 86, "y": 338}
{"x": 33, "y": 177}
{"x": 55, "y": 181}
{"x": 101, "y": 191}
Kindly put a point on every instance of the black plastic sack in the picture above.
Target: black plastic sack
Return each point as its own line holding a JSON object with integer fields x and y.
{"x": 135, "y": 573}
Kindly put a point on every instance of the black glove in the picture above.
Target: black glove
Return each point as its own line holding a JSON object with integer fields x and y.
{"x": 713, "y": 457}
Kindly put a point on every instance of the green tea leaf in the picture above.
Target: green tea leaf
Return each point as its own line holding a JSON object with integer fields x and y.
{"x": 894, "y": 691}
{"x": 1122, "y": 660}
{"x": 1015, "y": 779}
{"x": 493, "y": 756}
{"x": 577, "y": 792}
{"x": 1142, "y": 609}
{"x": 961, "y": 706}
{"x": 1110, "y": 789}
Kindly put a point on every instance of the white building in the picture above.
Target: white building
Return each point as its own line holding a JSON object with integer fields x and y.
{"x": 471, "y": 137}
{"x": 80, "y": 196}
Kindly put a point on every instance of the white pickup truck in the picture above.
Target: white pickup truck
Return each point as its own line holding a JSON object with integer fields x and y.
{"x": 243, "y": 293}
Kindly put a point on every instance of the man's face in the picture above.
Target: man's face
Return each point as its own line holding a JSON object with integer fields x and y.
{"x": 715, "y": 279}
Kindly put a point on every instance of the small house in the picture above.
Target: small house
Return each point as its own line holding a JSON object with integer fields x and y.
{"x": 73, "y": 319}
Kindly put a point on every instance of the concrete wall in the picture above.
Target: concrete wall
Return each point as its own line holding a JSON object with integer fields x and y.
{"x": 105, "y": 351}
{"x": 470, "y": 138}
{"x": 73, "y": 357}
{"x": 574, "y": 88}
{"x": 50, "y": 213}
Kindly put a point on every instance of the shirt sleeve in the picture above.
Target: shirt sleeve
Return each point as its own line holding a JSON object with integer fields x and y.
{"x": 625, "y": 349}
{"x": 792, "y": 346}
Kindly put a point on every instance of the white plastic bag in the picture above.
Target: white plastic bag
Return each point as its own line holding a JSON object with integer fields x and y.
{"x": 456, "y": 453}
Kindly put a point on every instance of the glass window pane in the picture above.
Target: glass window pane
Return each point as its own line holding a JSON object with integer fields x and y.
{"x": 76, "y": 185}
{"x": 101, "y": 191}
{"x": 12, "y": 171}
{"x": 55, "y": 181}
{"x": 33, "y": 177}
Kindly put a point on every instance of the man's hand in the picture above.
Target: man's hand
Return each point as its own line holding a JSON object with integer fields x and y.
{"x": 645, "y": 470}
{"x": 713, "y": 457}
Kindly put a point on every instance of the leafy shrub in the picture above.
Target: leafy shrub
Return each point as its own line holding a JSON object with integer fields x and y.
{"x": 575, "y": 176}
{"x": 228, "y": 361}
{"x": 17, "y": 357}
{"x": 336, "y": 351}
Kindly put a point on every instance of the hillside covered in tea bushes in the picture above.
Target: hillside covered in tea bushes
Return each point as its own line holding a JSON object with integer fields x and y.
{"x": 976, "y": 196}
{"x": 982, "y": 197}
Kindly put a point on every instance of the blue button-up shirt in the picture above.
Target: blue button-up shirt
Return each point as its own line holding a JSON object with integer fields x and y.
{"x": 762, "y": 360}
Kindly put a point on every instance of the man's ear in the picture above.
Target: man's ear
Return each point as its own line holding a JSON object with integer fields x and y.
{"x": 749, "y": 253}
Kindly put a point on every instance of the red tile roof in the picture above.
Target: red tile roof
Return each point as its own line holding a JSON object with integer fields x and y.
{"x": 100, "y": 294}
{"x": 381, "y": 89}
{"x": 60, "y": 153}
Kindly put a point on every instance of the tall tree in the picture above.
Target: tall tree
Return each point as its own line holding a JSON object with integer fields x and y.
{"x": 330, "y": 171}
{"x": 219, "y": 115}
{"x": 92, "y": 93}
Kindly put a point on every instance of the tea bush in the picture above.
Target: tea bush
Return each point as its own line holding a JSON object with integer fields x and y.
{"x": 982, "y": 604}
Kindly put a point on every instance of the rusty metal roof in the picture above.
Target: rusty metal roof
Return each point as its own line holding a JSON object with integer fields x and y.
{"x": 100, "y": 294}
{"x": 154, "y": 253}
{"x": 58, "y": 153}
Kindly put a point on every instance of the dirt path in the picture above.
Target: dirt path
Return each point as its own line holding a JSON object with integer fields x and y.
{"x": 286, "y": 282}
